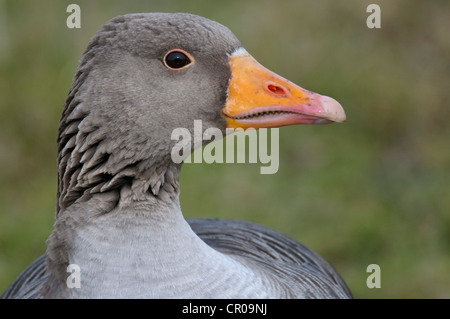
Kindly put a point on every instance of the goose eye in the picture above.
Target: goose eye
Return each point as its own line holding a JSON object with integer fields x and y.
{"x": 177, "y": 59}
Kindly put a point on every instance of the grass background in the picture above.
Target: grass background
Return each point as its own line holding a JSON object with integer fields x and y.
{"x": 372, "y": 190}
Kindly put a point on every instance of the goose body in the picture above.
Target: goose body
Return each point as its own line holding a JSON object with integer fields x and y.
{"x": 118, "y": 213}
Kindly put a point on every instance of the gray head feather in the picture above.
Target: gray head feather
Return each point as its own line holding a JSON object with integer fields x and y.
{"x": 124, "y": 104}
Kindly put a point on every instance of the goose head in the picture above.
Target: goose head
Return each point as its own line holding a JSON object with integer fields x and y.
{"x": 145, "y": 75}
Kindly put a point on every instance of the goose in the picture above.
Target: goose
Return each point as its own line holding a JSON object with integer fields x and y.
{"x": 118, "y": 216}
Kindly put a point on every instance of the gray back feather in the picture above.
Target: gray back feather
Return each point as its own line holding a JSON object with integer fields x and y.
{"x": 304, "y": 271}
{"x": 300, "y": 271}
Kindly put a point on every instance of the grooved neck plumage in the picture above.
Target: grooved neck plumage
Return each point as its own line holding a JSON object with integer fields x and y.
{"x": 98, "y": 152}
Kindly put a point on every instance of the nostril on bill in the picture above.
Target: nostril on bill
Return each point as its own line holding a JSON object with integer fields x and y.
{"x": 276, "y": 89}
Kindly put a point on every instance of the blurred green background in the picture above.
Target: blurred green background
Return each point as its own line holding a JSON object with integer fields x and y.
{"x": 374, "y": 190}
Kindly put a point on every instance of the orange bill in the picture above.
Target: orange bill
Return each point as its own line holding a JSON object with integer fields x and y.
{"x": 259, "y": 98}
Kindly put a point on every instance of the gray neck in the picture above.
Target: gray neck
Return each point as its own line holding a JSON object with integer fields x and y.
{"x": 146, "y": 249}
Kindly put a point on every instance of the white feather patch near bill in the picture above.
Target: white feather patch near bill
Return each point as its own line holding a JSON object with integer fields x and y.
{"x": 238, "y": 52}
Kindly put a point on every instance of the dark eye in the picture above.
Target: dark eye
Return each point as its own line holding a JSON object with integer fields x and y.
{"x": 177, "y": 59}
